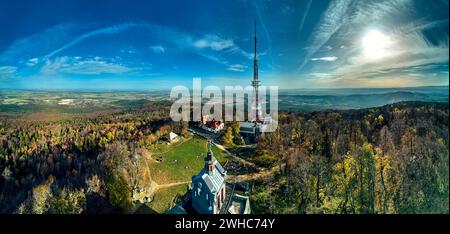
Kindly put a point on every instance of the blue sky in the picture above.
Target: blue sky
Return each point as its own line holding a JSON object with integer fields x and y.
{"x": 160, "y": 44}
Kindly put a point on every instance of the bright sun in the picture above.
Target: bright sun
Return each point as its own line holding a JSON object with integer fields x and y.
{"x": 376, "y": 45}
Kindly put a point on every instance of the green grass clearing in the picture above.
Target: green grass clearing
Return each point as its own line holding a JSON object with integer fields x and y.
{"x": 163, "y": 200}
{"x": 181, "y": 160}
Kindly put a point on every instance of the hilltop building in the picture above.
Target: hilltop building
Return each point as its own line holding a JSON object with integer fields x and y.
{"x": 210, "y": 192}
{"x": 208, "y": 187}
{"x": 210, "y": 124}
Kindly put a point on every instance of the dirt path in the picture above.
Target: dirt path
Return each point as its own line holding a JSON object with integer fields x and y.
{"x": 163, "y": 186}
{"x": 221, "y": 147}
{"x": 233, "y": 156}
{"x": 262, "y": 173}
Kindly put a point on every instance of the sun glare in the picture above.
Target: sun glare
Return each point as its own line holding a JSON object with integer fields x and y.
{"x": 376, "y": 44}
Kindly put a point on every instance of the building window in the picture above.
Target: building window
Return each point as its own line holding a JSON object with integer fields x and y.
{"x": 199, "y": 189}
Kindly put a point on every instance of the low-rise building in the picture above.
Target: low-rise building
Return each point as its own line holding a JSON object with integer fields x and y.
{"x": 171, "y": 137}
{"x": 210, "y": 124}
{"x": 248, "y": 128}
{"x": 239, "y": 205}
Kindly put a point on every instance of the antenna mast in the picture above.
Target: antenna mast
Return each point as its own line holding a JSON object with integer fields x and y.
{"x": 255, "y": 82}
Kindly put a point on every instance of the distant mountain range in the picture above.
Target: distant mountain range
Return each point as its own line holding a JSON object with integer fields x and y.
{"x": 340, "y": 99}
{"x": 293, "y": 99}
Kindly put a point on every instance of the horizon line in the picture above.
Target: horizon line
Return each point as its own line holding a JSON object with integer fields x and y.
{"x": 168, "y": 89}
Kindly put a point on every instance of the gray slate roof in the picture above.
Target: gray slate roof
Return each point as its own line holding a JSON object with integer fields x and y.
{"x": 214, "y": 180}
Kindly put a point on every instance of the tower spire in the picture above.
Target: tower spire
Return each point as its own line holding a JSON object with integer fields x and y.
{"x": 209, "y": 159}
{"x": 255, "y": 59}
{"x": 255, "y": 82}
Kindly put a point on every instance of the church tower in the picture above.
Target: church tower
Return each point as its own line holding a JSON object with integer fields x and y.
{"x": 209, "y": 186}
{"x": 210, "y": 161}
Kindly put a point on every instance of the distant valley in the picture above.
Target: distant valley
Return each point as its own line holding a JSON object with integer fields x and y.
{"x": 46, "y": 104}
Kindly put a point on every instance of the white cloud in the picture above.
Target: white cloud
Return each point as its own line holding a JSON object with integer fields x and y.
{"x": 305, "y": 14}
{"x": 89, "y": 66}
{"x": 380, "y": 11}
{"x": 237, "y": 68}
{"x": 103, "y": 31}
{"x": 38, "y": 43}
{"x": 52, "y": 67}
{"x": 6, "y": 71}
{"x": 286, "y": 9}
{"x": 408, "y": 51}
{"x": 54, "y": 40}
{"x": 46, "y": 48}
{"x": 214, "y": 42}
{"x": 346, "y": 24}
{"x": 320, "y": 75}
{"x": 158, "y": 49}
{"x": 416, "y": 75}
{"x": 32, "y": 62}
{"x": 331, "y": 21}
{"x": 327, "y": 59}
